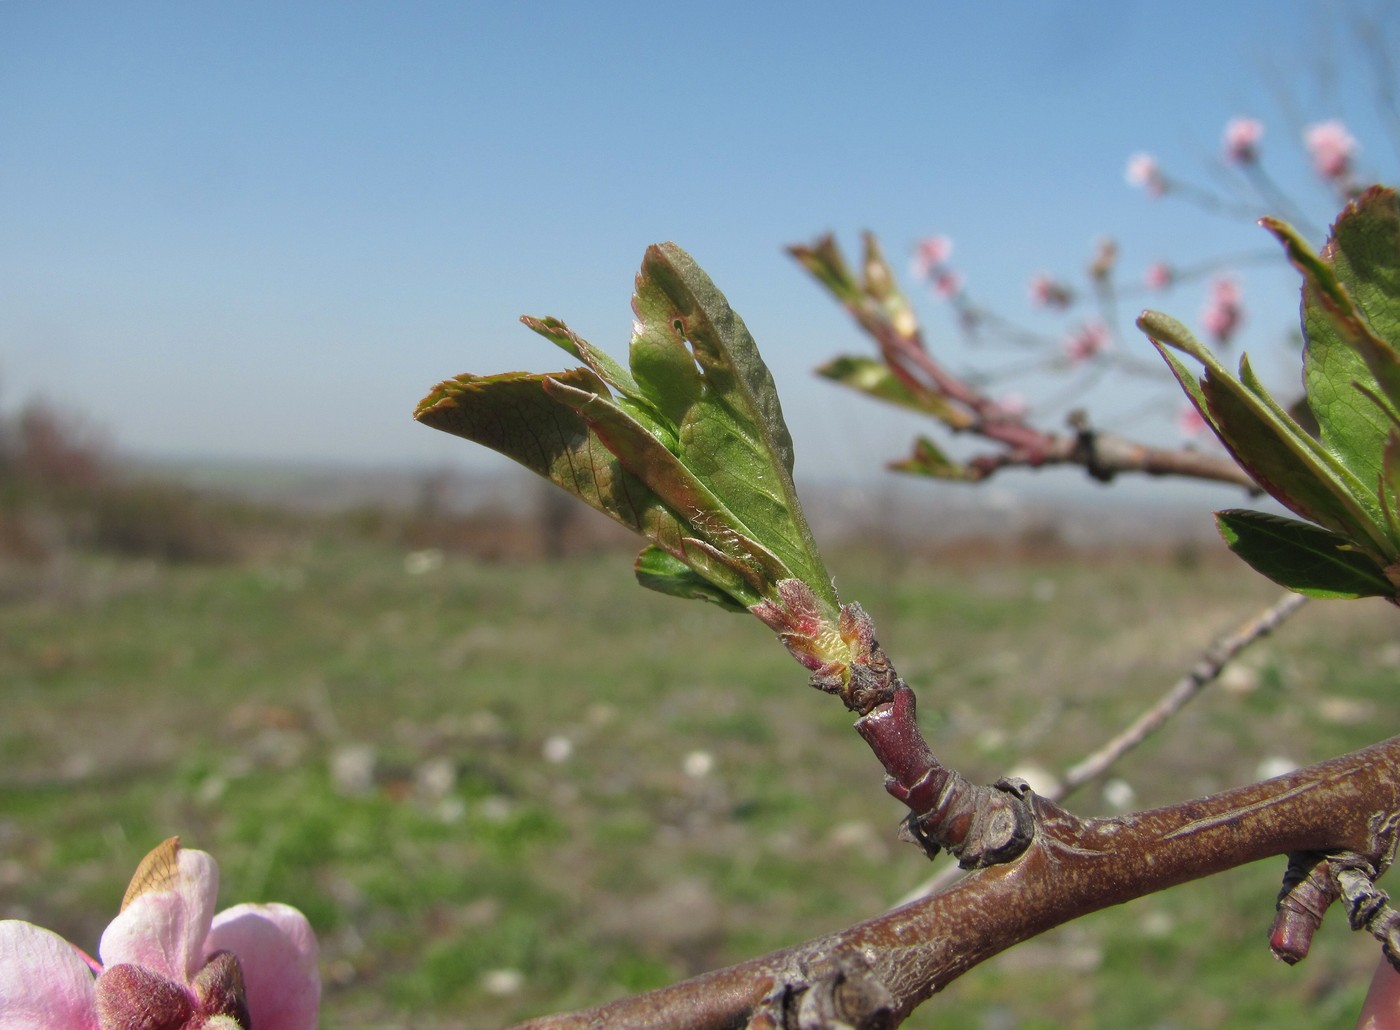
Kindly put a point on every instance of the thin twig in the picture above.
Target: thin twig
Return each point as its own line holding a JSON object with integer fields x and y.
{"x": 1204, "y": 672}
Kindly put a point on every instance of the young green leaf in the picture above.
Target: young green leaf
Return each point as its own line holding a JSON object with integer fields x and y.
{"x": 1346, "y": 476}
{"x": 874, "y": 378}
{"x": 687, "y": 446}
{"x": 1302, "y": 557}
{"x": 1262, "y": 437}
{"x": 928, "y": 459}
{"x": 1344, "y": 354}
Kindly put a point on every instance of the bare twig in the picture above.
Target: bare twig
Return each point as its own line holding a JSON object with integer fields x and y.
{"x": 1204, "y": 672}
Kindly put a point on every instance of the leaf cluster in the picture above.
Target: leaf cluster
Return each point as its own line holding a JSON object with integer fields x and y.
{"x": 686, "y": 445}
{"x": 1343, "y": 478}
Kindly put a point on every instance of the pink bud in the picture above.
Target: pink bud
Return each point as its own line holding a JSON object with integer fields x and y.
{"x": 1159, "y": 276}
{"x": 1223, "y": 312}
{"x": 1012, "y": 405}
{"x": 931, "y": 253}
{"x": 1048, "y": 293}
{"x": 1088, "y": 341}
{"x": 1144, "y": 171}
{"x": 1242, "y": 137}
{"x": 1332, "y": 148}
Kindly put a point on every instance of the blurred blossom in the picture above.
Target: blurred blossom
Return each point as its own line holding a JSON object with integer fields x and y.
{"x": 1050, "y": 293}
{"x": 1242, "y": 136}
{"x": 1332, "y": 149}
{"x": 1190, "y": 424}
{"x": 1012, "y": 405}
{"x": 1088, "y": 341}
{"x": 931, "y": 253}
{"x": 1143, "y": 171}
{"x": 1159, "y": 276}
{"x": 1223, "y": 311}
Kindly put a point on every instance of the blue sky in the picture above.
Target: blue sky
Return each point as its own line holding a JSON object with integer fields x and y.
{"x": 264, "y": 230}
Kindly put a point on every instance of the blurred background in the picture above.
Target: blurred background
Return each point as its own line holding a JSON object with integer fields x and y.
{"x": 382, "y": 676}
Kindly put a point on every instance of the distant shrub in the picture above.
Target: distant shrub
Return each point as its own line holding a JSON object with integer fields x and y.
{"x": 61, "y": 488}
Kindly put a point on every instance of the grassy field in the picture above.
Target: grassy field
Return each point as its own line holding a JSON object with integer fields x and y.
{"x": 499, "y": 790}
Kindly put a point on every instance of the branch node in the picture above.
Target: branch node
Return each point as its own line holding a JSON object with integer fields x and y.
{"x": 1316, "y": 879}
{"x": 1308, "y": 891}
{"x": 840, "y": 992}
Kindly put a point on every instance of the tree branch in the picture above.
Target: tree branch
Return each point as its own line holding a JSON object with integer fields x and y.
{"x": 884, "y": 314}
{"x": 1072, "y": 867}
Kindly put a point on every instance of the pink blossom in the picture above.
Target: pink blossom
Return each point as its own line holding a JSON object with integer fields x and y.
{"x": 1223, "y": 311}
{"x": 1332, "y": 148}
{"x": 1144, "y": 171}
{"x": 1088, "y": 341}
{"x": 1242, "y": 136}
{"x": 167, "y": 961}
{"x": 931, "y": 254}
{"x": 1050, "y": 293}
{"x": 1012, "y": 405}
{"x": 1159, "y": 276}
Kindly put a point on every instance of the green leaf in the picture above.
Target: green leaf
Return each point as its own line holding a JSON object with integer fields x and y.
{"x": 881, "y": 286}
{"x": 874, "y": 378}
{"x": 1302, "y": 557}
{"x": 514, "y": 414}
{"x": 1267, "y": 443}
{"x": 687, "y": 446}
{"x": 657, "y": 570}
{"x": 824, "y": 261}
{"x": 927, "y": 459}
{"x": 1344, "y": 357}
{"x": 730, "y": 424}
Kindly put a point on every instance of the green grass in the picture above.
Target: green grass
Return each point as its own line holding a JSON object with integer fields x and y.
{"x": 143, "y": 700}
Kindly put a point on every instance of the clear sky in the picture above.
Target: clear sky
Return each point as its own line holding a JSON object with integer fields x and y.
{"x": 264, "y": 229}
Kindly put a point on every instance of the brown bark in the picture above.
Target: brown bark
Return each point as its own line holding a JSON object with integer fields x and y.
{"x": 1072, "y": 867}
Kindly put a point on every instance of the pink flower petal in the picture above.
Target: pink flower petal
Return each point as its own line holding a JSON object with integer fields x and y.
{"x": 164, "y": 930}
{"x": 44, "y": 983}
{"x": 278, "y": 953}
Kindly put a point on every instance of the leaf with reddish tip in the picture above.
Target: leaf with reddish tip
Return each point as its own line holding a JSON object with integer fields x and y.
{"x": 687, "y": 445}
{"x": 1346, "y": 477}
{"x": 882, "y": 287}
{"x": 514, "y": 413}
{"x": 1264, "y": 439}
